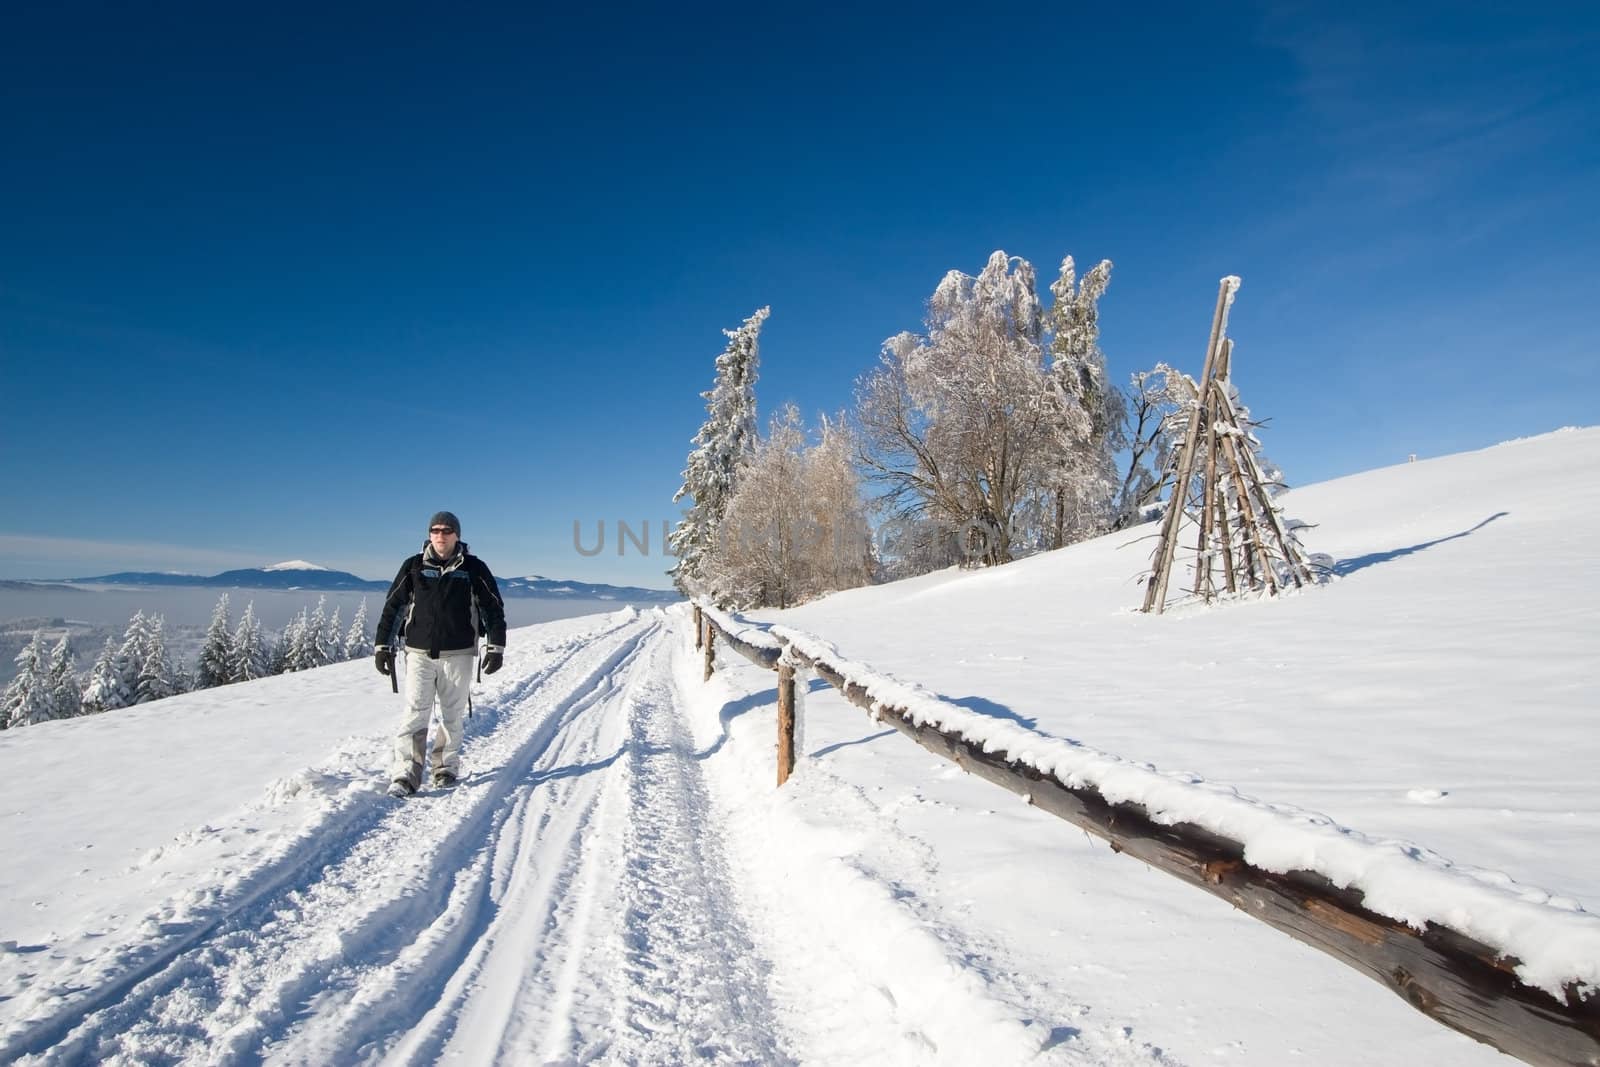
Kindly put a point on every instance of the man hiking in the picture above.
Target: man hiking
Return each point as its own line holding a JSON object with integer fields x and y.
{"x": 449, "y": 597}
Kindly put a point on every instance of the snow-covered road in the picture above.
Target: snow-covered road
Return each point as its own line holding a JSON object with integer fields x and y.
{"x": 567, "y": 900}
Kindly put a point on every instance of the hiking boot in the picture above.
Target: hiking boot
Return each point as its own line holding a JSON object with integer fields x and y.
{"x": 443, "y": 780}
{"x": 401, "y": 788}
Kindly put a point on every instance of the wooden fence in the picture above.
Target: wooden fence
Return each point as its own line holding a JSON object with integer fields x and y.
{"x": 1442, "y": 973}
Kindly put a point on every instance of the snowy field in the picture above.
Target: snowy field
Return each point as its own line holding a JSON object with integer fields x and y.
{"x": 217, "y": 878}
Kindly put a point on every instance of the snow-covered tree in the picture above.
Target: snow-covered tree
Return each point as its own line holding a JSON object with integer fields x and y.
{"x": 1159, "y": 401}
{"x": 333, "y": 637}
{"x": 1091, "y": 421}
{"x": 216, "y": 662}
{"x": 157, "y": 680}
{"x": 27, "y": 697}
{"x": 957, "y": 424}
{"x": 104, "y": 690}
{"x": 283, "y": 648}
{"x": 131, "y": 656}
{"x": 251, "y": 658}
{"x": 300, "y": 643}
{"x": 724, "y": 444}
{"x": 357, "y": 644}
{"x": 316, "y": 635}
{"x": 66, "y": 697}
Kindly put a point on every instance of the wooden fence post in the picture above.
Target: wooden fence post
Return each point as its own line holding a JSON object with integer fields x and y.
{"x": 711, "y": 649}
{"x": 785, "y": 722}
{"x": 699, "y": 627}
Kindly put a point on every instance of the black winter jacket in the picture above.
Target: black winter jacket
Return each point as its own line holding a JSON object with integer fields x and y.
{"x": 441, "y": 602}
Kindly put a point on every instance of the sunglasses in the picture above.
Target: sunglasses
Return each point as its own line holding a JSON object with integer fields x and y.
{"x": 440, "y": 530}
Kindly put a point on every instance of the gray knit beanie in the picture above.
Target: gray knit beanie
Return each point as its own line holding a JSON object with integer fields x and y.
{"x": 445, "y": 518}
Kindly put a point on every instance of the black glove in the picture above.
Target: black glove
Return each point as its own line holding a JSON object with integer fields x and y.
{"x": 384, "y": 659}
{"x": 492, "y": 661}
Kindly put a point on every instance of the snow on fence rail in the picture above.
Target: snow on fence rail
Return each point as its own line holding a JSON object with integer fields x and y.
{"x": 1502, "y": 963}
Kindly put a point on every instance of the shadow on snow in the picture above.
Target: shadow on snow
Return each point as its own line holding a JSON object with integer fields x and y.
{"x": 1350, "y": 566}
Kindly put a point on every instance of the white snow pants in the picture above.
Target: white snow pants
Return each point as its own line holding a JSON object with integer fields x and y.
{"x": 446, "y": 678}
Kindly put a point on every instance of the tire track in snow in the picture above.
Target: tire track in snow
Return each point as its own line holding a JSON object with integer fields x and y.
{"x": 218, "y": 991}
{"x": 678, "y": 973}
{"x": 617, "y": 937}
{"x": 528, "y": 920}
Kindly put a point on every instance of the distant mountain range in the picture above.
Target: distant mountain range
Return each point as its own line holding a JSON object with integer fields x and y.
{"x": 298, "y": 574}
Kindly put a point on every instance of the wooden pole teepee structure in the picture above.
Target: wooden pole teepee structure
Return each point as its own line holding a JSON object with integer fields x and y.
{"x": 1220, "y": 488}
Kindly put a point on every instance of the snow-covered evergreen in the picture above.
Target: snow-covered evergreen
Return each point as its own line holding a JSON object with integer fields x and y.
{"x": 333, "y": 637}
{"x": 104, "y": 690}
{"x": 66, "y": 697}
{"x": 283, "y": 648}
{"x": 216, "y": 661}
{"x": 723, "y": 445}
{"x": 297, "y": 645}
{"x": 131, "y": 656}
{"x": 317, "y": 650}
{"x": 157, "y": 680}
{"x": 28, "y": 697}
{"x": 357, "y": 644}
{"x": 251, "y": 658}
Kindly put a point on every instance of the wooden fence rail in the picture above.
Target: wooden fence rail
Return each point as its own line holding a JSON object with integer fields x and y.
{"x": 1446, "y": 975}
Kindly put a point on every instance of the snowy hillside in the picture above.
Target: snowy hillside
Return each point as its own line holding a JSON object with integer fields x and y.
{"x": 217, "y": 877}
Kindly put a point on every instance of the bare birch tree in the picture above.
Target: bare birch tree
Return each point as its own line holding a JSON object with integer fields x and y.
{"x": 796, "y": 527}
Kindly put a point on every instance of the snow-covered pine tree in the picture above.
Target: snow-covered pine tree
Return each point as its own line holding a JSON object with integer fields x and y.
{"x": 1092, "y": 415}
{"x": 300, "y": 642}
{"x": 317, "y": 652}
{"x": 104, "y": 690}
{"x": 282, "y": 648}
{"x": 131, "y": 656}
{"x": 27, "y": 697}
{"x": 156, "y": 678}
{"x": 65, "y": 694}
{"x": 215, "y": 664}
{"x": 333, "y": 637}
{"x": 357, "y": 645}
{"x": 251, "y": 658}
{"x": 724, "y": 444}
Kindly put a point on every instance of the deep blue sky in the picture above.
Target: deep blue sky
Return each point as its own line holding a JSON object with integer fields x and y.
{"x": 279, "y": 282}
